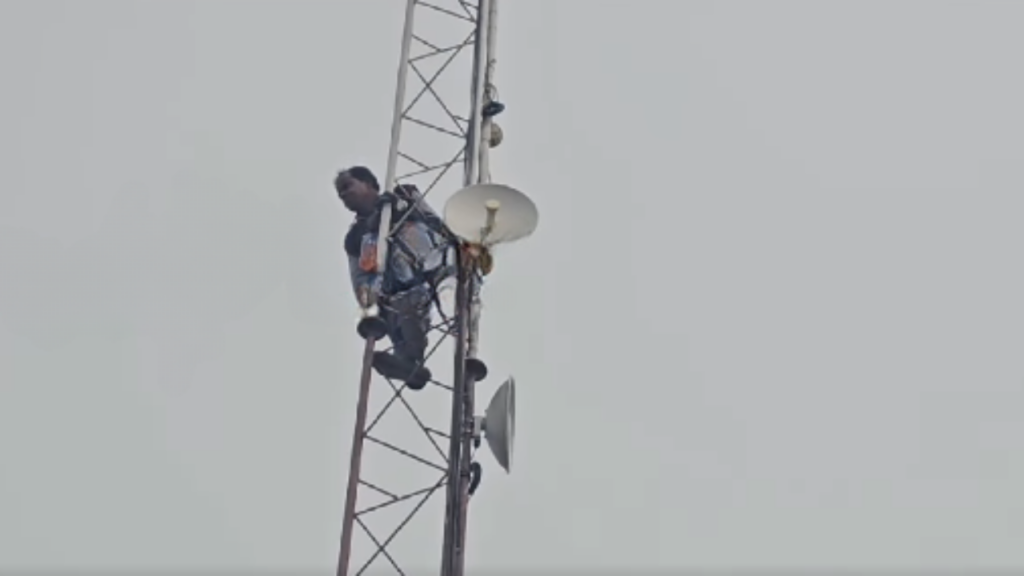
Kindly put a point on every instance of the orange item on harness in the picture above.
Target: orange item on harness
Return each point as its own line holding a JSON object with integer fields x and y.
{"x": 368, "y": 254}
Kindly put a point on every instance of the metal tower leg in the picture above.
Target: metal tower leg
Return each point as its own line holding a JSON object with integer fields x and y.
{"x": 445, "y": 48}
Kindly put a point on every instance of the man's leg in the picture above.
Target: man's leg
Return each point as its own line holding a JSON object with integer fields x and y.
{"x": 412, "y": 311}
{"x": 408, "y": 318}
{"x": 394, "y": 327}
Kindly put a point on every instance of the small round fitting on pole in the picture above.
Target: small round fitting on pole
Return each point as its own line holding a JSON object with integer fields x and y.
{"x": 476, "y": 369}
{"x": 497, "y": 136}
{"x": 492, "y": 109}
{"x": 476, "y": 474}
{"x": 486, "y": 262}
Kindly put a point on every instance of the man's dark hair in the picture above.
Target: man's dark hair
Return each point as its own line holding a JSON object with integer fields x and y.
{"x": 362, "y": 174}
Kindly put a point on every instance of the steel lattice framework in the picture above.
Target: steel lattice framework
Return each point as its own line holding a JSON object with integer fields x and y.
{"x": 447, "y": 58}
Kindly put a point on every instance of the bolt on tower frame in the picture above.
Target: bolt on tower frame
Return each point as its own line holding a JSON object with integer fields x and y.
{"x": 429, "y": 141}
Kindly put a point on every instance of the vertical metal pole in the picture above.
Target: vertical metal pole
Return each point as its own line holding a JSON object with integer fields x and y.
{"x": 453, "y": 558}
{"x": 396, "y": 132}
{"x": 356, "y": 460}
{"x": 484, "y": 174}
{"x": 456, "y": 470}
{"x": 475, "y": 140}
{"x": 492, "y": 42}
{"x": 485, "y": 69}
{"x": 466, "y": 441}
{"x": 362, "y": 403}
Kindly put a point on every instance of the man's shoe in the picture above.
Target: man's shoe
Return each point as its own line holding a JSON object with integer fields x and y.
{"x": 395, "y": 368}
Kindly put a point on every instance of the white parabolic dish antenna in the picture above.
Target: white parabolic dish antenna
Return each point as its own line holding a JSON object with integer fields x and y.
{"x": 499, "y": 423}
{"x": 469, "y": 211}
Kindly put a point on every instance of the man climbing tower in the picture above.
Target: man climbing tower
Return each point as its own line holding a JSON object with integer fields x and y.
{"x": 416, "y": 263}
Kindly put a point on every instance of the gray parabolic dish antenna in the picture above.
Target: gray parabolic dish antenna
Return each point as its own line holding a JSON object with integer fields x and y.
{"x": 490, "y": 214}
{"x": 500, "y": 423}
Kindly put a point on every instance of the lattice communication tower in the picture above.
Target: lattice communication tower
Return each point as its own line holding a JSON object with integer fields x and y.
{"x": 410, "y": 445}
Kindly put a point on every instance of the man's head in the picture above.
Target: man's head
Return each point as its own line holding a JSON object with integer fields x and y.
{"x": 358, "y": 189}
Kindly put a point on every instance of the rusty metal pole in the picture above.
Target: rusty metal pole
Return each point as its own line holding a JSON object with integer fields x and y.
{"x": 356, "y": 459}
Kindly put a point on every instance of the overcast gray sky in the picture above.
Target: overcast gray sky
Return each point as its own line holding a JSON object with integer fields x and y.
{"x": 772, "y": 316}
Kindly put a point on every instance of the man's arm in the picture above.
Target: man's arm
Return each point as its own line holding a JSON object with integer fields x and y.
{"x": 365, "y": 285}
